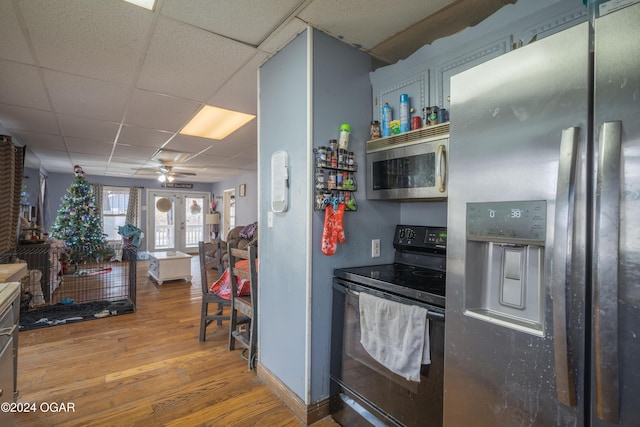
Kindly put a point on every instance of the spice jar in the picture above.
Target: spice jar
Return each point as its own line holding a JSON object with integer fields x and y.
{"x": 333, "y": 145}
{"x": 374, "y": 133}
{"x": 322, "y": 155}
{"x": 433, "y": 117}
{"x": 331, "y": 185}
{"x": 320, "y": 180}
{"x": 350, "y": 160}
{"x": 415, "y": 123}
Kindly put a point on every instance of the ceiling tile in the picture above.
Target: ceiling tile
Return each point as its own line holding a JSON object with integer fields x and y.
{"x": 55, "y": 161}
{"x": 18, "y": 49}
{"x": 249, "y": 21}
{"x": 188, "y": 62}
{"x": 343, "y": 20}
{"x": 128, "y": 161}
{"x": 191, "y": 144}
{"x": 283, "y": 35}
{"x": 246, "y": 134}
{"x": 88, "y": 129}
{"x": 89, "y": 166}
{"x": 21, "y": 85}
{"x": 133, "y": 152}
{"x": 102, "y": 150}
{"x": 101, "y": 39}
{"x": 40, "y": 140}
{"x": 80, "y": 96}
{"x": 168, "y": 112}
{"x": 135, "y": 136}
{"x": 18, "y": 118}
{"x": 239, "y": 93}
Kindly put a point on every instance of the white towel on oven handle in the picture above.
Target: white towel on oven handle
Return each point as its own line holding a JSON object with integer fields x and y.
{"x": 396, "y": 335}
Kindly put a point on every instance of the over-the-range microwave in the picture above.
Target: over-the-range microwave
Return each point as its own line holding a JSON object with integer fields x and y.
{"x": 411, "y": 166}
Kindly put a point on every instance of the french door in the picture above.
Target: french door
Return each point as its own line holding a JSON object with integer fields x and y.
{"x": 176, "y": 220}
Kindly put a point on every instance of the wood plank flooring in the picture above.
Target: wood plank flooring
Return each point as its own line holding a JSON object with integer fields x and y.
{"x": 144, "y": 369}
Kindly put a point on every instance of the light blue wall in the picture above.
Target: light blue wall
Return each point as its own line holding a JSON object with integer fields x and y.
{"x": 31, "y": 182}
{"x": 58, "y": 183}
{"x": 246, "y": 207}
{"x": 283, "y": 298}
{"x": 341, "y": 94}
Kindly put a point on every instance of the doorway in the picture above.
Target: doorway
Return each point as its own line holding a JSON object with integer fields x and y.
{"x": 229, "y": 211}
{"x": 176, "y": 220}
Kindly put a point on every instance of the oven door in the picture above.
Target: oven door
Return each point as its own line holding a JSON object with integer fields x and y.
{"x": 415, "y": 170}
{"x": 364, "y": 392}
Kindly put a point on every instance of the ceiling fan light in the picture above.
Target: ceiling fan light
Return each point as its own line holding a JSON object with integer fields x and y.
{"x": 215, "y": 123}
{"x": 162, "y": 178}
{"x": 170, "y": 178}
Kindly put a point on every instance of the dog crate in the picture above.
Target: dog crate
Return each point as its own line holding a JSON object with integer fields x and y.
{"x": 53, "y": 278}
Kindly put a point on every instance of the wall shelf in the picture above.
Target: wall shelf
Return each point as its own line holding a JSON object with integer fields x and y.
{"x": 334, "y": 180}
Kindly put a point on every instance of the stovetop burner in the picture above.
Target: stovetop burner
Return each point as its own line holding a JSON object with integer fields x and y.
{"x": 414, "y": 282}
{"x": 419, "y": 268}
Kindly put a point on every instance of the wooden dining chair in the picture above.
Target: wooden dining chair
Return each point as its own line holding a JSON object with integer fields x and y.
{"x": 209, "y": 263}
{"x": 243, "y": 326}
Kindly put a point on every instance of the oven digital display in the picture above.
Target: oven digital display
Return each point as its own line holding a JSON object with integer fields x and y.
{"x": 420, "y": 237}
{"x": 519, "y": 220}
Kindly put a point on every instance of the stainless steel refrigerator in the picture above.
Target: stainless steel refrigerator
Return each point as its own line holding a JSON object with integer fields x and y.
{"x": 543, "y": 262}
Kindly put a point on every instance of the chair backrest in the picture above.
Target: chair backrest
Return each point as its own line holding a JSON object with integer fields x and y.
{"x": 251, "y": 274}
{"x": 209, "y": 261}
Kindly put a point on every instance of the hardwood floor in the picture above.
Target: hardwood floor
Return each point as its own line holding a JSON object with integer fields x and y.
{"x": 144, "y": 369}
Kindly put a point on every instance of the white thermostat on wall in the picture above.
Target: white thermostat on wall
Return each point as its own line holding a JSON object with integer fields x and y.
{"x": 279, "y": 181}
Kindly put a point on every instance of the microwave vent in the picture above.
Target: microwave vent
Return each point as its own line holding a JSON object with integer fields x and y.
{"x": 411, "y": 136}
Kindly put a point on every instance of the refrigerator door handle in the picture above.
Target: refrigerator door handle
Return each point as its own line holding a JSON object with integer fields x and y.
{"x": 605, "y": 273}
{"x": 561, "y": 273}
{"x": 441, "y": 168}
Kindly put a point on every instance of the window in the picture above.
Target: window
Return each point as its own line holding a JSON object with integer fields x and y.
{"x": 115, "y": 201}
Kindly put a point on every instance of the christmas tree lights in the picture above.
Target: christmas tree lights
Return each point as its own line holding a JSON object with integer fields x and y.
{"x": 78, "y": 223}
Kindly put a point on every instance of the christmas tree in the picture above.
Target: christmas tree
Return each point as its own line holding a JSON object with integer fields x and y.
{"x": 78, "y": 224}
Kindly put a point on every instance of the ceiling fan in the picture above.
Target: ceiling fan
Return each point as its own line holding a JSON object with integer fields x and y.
{"x": 167, "y": 174}
{"x": 164, "y": 173}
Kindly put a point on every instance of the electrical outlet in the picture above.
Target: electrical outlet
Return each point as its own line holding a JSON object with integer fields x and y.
{"x": 375, "y": 248}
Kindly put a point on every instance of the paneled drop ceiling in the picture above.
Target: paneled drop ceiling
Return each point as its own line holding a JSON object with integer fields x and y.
{"x": 106, "y": 84}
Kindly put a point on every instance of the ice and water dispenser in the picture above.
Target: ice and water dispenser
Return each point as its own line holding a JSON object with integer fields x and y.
{"x": 504, "y": 267}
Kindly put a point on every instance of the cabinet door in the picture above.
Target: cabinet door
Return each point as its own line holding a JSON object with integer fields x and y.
{"x": 7, "y": 373}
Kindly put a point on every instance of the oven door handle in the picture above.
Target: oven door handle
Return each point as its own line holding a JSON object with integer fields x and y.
{"x": 441, "y": 168}
{"x": 431, "y": 315}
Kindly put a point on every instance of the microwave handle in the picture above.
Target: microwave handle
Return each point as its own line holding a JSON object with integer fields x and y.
{"x": 441, "y": 168}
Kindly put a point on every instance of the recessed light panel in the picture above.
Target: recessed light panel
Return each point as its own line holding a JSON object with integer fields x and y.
{"x": 147, "y": 4}
{"x": 215, "y": 123}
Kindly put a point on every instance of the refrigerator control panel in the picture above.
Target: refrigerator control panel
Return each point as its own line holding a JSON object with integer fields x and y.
{"x": 520, "y": 221}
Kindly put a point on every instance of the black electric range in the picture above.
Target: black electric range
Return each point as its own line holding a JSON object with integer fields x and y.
{"x": 419, "y": 268}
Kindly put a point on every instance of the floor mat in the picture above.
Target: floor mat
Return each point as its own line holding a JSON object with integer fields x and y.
{"x": 62, "y": 314}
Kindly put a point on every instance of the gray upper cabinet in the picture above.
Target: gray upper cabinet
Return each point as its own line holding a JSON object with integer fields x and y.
{"x": 425, "y": 76}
